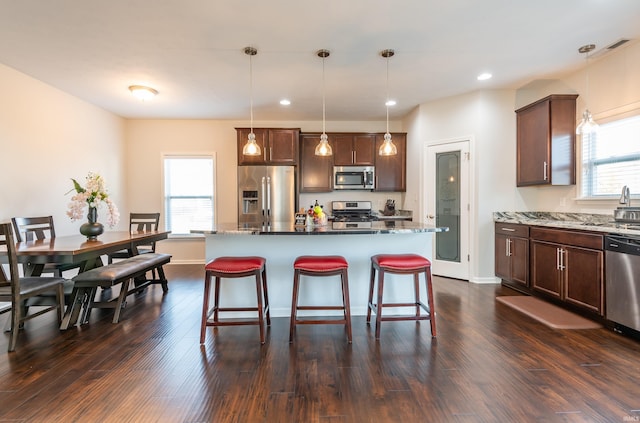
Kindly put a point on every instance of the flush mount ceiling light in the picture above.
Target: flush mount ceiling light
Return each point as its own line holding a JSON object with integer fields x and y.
{"x": 251, "y": 148}
{"x": 143, "y": 93}
{"x": 323, "y": 148}
{"x": 387, "y": 148}
{"x": 587, "y": 125}
{"x": 484, "y": 76}
{"x": 285, "y": 102}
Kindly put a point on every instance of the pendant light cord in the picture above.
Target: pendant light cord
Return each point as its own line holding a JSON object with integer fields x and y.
{"x": 251, "y": 90}
{"x": 386, "y": 102}
{"x": 323, "y": 105}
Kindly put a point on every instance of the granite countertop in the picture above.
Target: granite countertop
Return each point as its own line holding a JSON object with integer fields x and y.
{"x": 288, "y": 228}
{"x": 582, "y": 221}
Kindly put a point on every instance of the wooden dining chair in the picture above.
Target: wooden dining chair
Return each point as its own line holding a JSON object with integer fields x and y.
{"x": 140, "y": 222}
{"x": 39, "y": 228}
{"x": 17, "y": 290}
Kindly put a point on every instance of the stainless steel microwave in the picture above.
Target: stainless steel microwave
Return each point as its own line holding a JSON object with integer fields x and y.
{"x": 354, "y": 177}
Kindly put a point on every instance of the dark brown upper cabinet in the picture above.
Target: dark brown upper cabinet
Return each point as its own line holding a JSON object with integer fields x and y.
{"x": 546, "y": 141}
{"x": 279, "y": 146}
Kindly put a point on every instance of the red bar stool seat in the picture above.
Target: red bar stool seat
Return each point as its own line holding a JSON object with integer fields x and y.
{"x": 320, "y": 266}
{"x": 404, "y": 264}
{"x": 235, "y": 267}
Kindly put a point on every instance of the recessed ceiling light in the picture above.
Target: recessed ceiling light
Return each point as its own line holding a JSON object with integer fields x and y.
{"x": 143, "y": 93}
{"x": 484, "y": 76}
{"x": 390, "y": 103}
{"x": 285, "y": 102}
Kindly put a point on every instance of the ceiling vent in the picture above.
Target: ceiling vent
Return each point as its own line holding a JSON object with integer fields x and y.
{"x": 608, "y": 49}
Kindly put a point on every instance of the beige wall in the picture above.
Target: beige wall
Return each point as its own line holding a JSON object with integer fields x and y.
{"x": 48, "y": 137}
{"x": 148, "y": 140}
{"x": 614, "y": 91}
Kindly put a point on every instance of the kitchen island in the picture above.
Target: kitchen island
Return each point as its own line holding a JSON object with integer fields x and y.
{"x": 280, "y": 243}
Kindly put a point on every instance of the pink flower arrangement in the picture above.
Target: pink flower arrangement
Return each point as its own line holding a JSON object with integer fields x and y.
{"x": 92, "y": 195}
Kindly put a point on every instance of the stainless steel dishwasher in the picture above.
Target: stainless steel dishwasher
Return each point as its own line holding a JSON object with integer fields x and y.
{"x": 623, "y": 280}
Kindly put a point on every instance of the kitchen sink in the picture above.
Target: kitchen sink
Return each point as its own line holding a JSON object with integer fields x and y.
{"x": 627, "y": 215}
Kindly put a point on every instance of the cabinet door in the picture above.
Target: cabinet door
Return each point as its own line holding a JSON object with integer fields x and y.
{"x": 545, "y": 275}
{"x": 342, "y": 145}
{"x": 262, "y": 141}
{"x": 533, "y": 145}
{"x": 391, "y": 170}
{"x": 519, "y": 249}
{"x": 283, "y": 146}
{"x": 584, "y": 278}
{"x": 316, "y": 172}
{"x": 546, "y": 141}
{"x": 363, "y": 150}
{"x": 502, "y": 261}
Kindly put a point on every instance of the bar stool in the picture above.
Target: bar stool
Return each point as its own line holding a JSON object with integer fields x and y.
{"x": 320, "y": 266}
{"x": 235, "y": 267}
{"x": 406, "y": 264}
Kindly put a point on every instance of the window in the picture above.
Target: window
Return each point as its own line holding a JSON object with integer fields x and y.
{"x": 611, "y": 159}
{"x": 188, "y": 193}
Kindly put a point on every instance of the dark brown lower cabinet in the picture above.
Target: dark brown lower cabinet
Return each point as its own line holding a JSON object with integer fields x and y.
{"x": 568, "y": 265}
{"x": 512, "y": 254}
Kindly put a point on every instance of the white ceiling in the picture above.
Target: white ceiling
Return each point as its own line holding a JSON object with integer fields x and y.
{"x": 191, "y": 51}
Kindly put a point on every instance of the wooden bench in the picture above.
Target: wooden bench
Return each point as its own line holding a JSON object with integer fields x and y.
{"x": 122, "y": 272}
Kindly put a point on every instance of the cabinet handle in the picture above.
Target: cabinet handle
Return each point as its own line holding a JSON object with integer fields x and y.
{"x": 562, "y": 266}
{"x": 270, "y": 152}
{"x": 557, "y": 258}
{"x": 507, "y": 229}
{"x": 508, "y": 247}
{"x": 353, "y": 157}
{"x": 545, "y": 167}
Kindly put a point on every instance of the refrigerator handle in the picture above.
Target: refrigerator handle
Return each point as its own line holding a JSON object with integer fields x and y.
{"x": 263, "y": 206}
{"x": 268, "y": 200}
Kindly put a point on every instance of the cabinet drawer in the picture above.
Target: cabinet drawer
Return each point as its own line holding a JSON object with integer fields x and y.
{"x": 512, "y": 229}
{"x": 561, "y": 236}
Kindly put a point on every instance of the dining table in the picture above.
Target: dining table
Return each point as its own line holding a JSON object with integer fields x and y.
{"x": 77, "y": 249}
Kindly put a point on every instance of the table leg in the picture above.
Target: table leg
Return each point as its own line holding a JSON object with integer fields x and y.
{"x": 73, "y": 309}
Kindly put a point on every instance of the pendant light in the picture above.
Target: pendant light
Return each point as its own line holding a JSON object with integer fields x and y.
{"x": 387, "y": 148}
{"x": 323, "y": 148}
{"x": 587, "y": 125}
{"x": 251, "y": 148}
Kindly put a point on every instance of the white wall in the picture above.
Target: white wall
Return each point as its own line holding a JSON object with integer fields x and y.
{"x": 48, "y": 137}
{"x": 486, "y": 119}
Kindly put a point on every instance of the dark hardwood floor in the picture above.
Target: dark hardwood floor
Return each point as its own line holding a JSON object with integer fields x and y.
{"x": 488, "y": 364}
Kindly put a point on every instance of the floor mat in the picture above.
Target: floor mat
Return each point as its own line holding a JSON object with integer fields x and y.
{"x": 547, "y": 313}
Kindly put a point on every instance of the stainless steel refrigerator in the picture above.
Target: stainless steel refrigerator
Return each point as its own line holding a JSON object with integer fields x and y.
{"x": 266, "y": 194}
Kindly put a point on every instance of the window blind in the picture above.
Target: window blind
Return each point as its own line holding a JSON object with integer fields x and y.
{"x": 189, "y": 193}
{"x": 611, "y": 158}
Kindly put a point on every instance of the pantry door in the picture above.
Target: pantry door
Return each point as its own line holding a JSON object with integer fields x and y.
{"x": 447, "y": 203}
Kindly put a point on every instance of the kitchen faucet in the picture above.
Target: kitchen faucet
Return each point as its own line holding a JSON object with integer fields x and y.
{"x": 625, "y": 197}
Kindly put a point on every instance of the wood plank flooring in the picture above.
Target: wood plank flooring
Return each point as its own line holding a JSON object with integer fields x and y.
{"x": 488, "y": 364}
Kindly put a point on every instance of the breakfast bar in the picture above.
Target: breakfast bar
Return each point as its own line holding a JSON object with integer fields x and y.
{"x": 281, "y": 243}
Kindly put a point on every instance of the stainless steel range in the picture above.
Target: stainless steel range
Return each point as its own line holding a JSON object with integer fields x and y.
{"x": 352, "y": 214}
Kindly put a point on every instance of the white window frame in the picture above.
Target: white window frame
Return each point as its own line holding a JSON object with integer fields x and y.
{"x": 582, "y": 194}
{"x": 214, "y": 195}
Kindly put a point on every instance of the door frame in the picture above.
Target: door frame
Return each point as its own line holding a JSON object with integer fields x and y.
{"x": 463, "y": 272}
